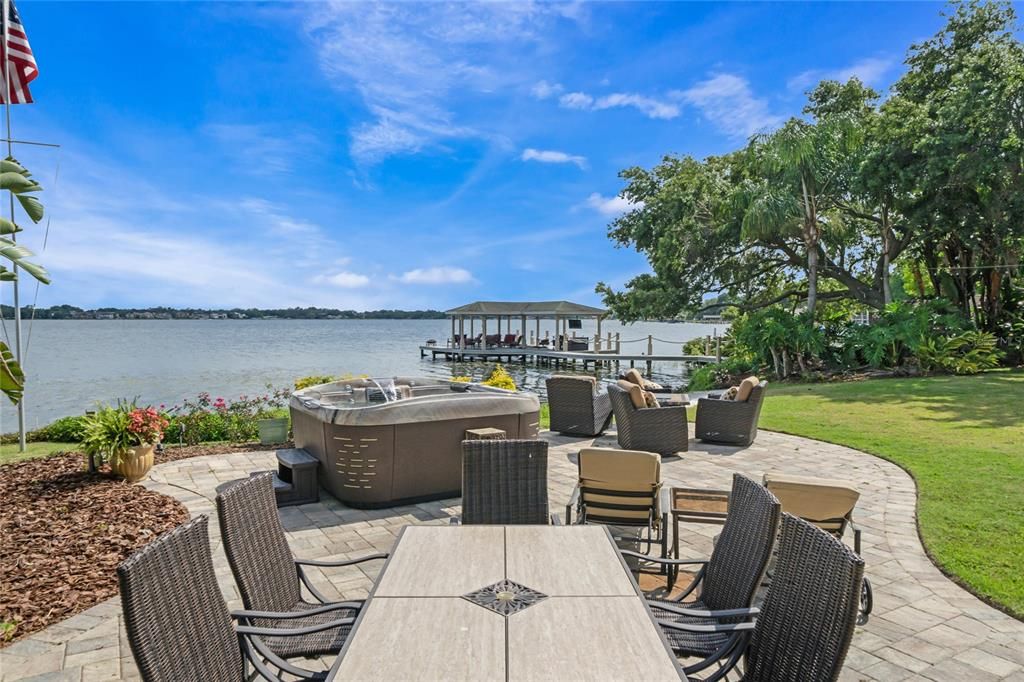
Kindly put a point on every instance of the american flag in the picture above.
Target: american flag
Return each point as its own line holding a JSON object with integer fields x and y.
{"x": 21, "y": 63}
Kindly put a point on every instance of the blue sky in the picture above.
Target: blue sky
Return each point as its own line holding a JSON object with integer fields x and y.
{"x": 395, "y": 155}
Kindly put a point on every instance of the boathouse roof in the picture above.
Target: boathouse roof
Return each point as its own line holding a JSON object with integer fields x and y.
{"x": 527, "y": 308}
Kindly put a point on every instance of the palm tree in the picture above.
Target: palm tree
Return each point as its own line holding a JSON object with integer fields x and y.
{"x": 796, "y": 164}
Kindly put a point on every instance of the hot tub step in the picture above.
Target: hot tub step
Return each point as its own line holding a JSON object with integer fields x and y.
{"x": 296, "y": 479}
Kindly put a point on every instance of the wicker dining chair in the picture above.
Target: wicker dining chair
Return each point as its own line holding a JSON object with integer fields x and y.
{"x": 178, "y": 625}
{"x": 828, "y": 504}
{"x": 505, "y": 482}
{"x": 803, "y": 630}
{"x": 269, "y": 577}
{"x": 650, "y": 429}
{"x": 730, "y": 577}
{"x": 576, "y": 407}
{"x": 622, "y": 489}
{"x": 731, "y": 422}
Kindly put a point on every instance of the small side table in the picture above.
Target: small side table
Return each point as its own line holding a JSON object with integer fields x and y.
{"x": 696, "y": 505}
{"x": 485, "y": 434}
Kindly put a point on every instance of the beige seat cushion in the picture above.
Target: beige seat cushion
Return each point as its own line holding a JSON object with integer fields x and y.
{"x": 636, "y": 394}
{"x": 634, "y": 376}
{"x": 626, "y": 470}
{"x": 746, "y": 388}
{"x": 814, "y": 499}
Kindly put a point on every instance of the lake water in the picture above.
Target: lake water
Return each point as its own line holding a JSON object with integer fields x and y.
{"x": 74, "y": 364}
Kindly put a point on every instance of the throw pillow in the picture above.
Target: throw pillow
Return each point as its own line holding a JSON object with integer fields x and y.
{"x": 650, "y": 400}
{"x": 745, "y": 388}
{"x": 635, "y": 377}
{"x": 730, "y": 393}
{"x": 636, "y": 394}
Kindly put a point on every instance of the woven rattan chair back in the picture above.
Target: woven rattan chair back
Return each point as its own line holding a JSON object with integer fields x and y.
{"x": 255, "y": 544}
{"x": 619, "y": 487}
{"x": 576, "y": 409}
{"x": 178, "y": 624}
{"x": 808, "y": 617}
{"x": 623, "y": 409}
{"x": 505, "y": 482}
{"x": 744, "y": 548}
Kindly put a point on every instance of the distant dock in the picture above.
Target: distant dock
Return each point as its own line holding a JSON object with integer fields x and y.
{"x": 556, "y": 358}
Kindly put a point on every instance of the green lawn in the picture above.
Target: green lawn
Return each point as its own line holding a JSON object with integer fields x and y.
{"x": 9, "y": 453}
{"x": 962, "y": 438}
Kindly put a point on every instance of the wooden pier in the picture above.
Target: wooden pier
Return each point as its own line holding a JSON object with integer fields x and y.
{"x": 556, "y": 358}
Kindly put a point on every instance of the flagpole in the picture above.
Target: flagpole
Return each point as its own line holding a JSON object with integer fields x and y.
{"x": 14, "y": 236}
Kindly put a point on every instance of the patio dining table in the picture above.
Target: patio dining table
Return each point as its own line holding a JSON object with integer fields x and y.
{"x": 506, "y": 603}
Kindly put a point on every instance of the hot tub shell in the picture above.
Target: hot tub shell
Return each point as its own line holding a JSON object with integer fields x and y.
{"x": 381, "y": 454}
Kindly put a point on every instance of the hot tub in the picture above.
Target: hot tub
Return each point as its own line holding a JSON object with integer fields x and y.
{"x": 385, "y": 442}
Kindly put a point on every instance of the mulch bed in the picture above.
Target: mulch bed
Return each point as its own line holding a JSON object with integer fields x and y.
{"x": 63, "y": 531}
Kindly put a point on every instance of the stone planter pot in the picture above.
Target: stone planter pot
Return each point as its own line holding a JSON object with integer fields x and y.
{"x": 273, "y": 430}
{"x": 135, "y": 464}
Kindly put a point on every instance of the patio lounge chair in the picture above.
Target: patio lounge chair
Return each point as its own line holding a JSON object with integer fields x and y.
{"x": 803, "y": 630}
{"x": 622, "y": 488}
{"x": 652, "y": 429}
{"x": 576, "y": 407}
{"x": 733, "y": 422}
{"x": 505, "y": 482}
{"x": 510, "y": 340}
{"x": 730, "y": 578}
{"x": 828, "y": 504}
{"x": 269, "y": 577}
{"x": 179, "y": 627}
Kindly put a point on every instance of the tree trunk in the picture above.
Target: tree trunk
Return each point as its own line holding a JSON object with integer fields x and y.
{"x": 886, "y": 251}
{"x": 812, "y": 279}
{"x": 775, "y": 362}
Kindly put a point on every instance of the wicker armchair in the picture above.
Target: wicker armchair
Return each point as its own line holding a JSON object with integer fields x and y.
{"x": 179, "y": 627}
{"x": 803, "y": 630}
{"x": 730, "y": 578}
{"x": 505, "y": 482}
{"x": 651, "y": 429}
{"x": 730, "y": 421}
{"x": 575, "y": 409}
{"x": 269, "y": 576}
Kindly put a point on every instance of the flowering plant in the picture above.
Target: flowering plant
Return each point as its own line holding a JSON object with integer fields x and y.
{"x": 147, "y": 425}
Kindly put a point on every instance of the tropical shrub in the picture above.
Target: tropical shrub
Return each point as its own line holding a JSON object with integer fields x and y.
{"x": 778, "y": 339}
{"x": 967, "y": 353}
{"x": 462, "y": 379}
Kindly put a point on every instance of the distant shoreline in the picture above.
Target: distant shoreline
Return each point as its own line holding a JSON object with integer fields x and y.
{"x": 66, "y": 312}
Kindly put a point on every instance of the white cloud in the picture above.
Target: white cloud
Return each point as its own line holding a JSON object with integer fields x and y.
{"x": 648, "y": 106}
{"x": 436, "y": 275}
{"x": 610, "y": 206}
{"x": 256, "y": 149}
{"x": 870, "y": 71}
{"x": 552, "y": 156}
{"x": 727, "y": 101}
{"x": 545, "y": 90}
{"x": 408, "y": 62}
{"x": 345, "y": 280}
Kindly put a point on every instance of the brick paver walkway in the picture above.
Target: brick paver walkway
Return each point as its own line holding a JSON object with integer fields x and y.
{"x": 923, "y": 625}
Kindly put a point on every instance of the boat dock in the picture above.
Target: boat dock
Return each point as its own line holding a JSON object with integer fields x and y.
{"x": 556, "y": 358}
{"x": 562, "y": 348}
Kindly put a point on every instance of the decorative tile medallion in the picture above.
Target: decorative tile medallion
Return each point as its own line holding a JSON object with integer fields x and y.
{"x": 505, "y": 597}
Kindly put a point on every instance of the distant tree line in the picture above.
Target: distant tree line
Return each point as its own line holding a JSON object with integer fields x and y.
{"x": 70, "y": 312}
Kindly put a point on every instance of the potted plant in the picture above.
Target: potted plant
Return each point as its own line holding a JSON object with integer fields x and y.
{"x": 272, "y": 429}
{"x": 124, "y": 436}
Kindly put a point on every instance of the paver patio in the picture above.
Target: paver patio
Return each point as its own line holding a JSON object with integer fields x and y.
{"x": 923, "y": 626}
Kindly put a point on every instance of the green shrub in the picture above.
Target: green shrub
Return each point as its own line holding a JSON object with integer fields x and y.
{"x": 728, "y": 373}
{"x": 967, "y": 353}
{"x": 314, "y": 380}
{"x": 207, "y": 419}
{"x": 64, "y": 430}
